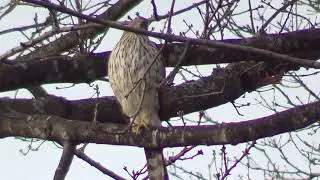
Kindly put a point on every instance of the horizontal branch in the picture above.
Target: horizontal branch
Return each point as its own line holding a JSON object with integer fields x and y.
{"x": 301, "y": 43}
{"x": 60, "y": 69}
{"x": 87, "y": 68}
{"x": 222, "y": 86}
{"x": 59, "y": 129}
{"x": 171, "y": 38}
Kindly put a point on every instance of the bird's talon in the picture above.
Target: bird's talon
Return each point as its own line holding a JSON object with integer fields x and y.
{"x": 139, "y": 128}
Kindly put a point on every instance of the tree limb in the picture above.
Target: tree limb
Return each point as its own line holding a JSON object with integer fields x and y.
{"x": 87, "y": 68}
{"x": 222, "y": 86}
{"x": 204, "y": 42}
{"x": 70, "y": 40}
{"x": 65, "y": 161}
{"x": 59, "y": 129}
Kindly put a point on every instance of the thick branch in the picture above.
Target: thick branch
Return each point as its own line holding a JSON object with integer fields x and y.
{"x": 86, "y": 68}
{"x": 51, "y": 70}
{"x": 224, "y": 85}
{"x": 90, "y": 67}
{"x": 302, "y": 44}
{"x": 58, "y": 129}
{"x": 204, "y": 42}
{"x": 83, "y": 110}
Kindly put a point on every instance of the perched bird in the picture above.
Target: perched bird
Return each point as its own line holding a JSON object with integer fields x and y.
{"x": 136, "y": 69}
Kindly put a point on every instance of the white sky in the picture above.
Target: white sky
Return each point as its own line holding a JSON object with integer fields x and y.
{"x": 41, "y": 164}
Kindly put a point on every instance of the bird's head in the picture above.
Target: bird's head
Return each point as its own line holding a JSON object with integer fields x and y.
{"x": 139, "y": 22}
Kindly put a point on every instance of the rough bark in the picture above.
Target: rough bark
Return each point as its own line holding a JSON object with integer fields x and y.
{"x": 222, "y": 86}
{"x": 59, "y": 129}
{"x": 87, "y": 68}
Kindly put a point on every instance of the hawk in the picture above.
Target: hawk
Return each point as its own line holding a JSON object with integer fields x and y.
{"x": 136, "y": 69}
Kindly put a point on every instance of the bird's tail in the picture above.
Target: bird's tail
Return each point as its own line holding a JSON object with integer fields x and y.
{"x": 156, "y": 164}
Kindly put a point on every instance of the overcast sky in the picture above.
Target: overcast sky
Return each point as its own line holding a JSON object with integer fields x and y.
{"x": 41, "y": 164}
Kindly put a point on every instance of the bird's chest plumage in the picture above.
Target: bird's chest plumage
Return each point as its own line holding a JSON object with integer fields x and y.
{"x": 133, "y": 59}
{"x": 135, "y": 69}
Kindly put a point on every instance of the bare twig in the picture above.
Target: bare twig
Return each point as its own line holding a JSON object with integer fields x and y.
{"x": 244, "y": 154}
{"x": 46, "y": 35}
{"x": 80, "y": 154}
{"x": 155, "y": 11}
{"x": 11, "y": 6}
{"x": 169, "y": 79}
{"x": 274, "y": 15}
{"x": 180, "y": 11}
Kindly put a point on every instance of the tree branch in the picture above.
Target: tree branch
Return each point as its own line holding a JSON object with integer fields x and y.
{"x": 194, "y": 41}
{"x": 59, "y": 129}
{"x": 65, "y": 161}
{"x": 222, "y": 86}
{"x": 70, "y": 40}
{"x": 97, "y": 165}
{"x": 87, "y": 68}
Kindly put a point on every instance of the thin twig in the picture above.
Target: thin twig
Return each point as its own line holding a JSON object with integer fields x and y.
{"x": 155, "y": 12}
{"x": 46, "y": 35}
{"x": 169, "y": 79}
{"x": 274, "y": 15}
{"x": 178, "y": 12}
{"x": 80, "y": 154}
{"x": 244, "y": 154}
